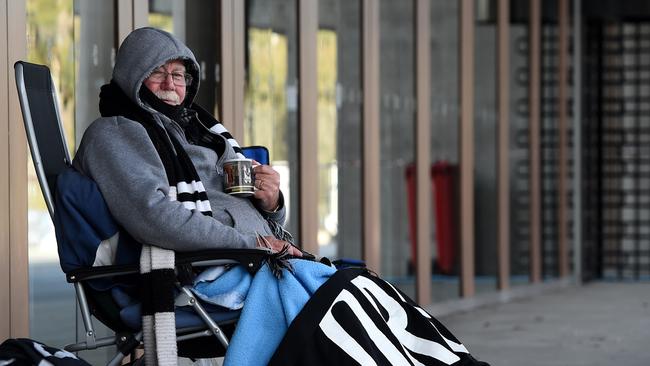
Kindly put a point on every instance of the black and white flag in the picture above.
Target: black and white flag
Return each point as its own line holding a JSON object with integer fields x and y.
{"x": 27, "y": 352}
{"x": 356, "y": 318}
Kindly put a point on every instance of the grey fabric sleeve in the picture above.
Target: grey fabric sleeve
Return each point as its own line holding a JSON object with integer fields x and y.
{"x": 118, "y": 155}
{"x": 278, "y": 215}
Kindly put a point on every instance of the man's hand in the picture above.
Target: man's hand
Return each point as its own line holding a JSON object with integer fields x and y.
{"x": 267, "y": 184}
{"x": 277, "y": 245}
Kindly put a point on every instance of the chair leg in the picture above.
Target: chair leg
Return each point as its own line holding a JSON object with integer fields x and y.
{"x": 186, "y": 297}
{"x": 133, "y": 358}
{"x": 117, "y": 360}
{"x": 126, "y": 347}
{"x": 85, "y": 315}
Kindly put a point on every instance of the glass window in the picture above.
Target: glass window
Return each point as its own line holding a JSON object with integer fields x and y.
{"x": 51, "y": 42}
{"x": 271, "y": 92}
{"x": 75, "y": 39}
{"x": 397, "y": 144}
{"x": 193, "y": 22}
{"x": 161, "y": 15}
{"x": 339, "y": 128}
{"x": 550, "y": 148}
{"x": 485, "y": 147}
{"x": 519, "y": 150}
{"x": 444, "y": 148}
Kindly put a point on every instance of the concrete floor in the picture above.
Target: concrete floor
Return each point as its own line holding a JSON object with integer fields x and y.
{"x": 598, "y": 324}
{"x": 602, "y": 323}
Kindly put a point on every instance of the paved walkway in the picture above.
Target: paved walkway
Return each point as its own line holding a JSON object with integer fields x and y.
{"x": 599, "y": 324}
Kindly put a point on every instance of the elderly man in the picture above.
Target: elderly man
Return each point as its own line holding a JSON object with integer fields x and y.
{"x": 157, "y": 157}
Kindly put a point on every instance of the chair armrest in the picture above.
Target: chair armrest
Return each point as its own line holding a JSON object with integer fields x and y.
{"x": 91, "y": 273}
{"x": 251, "y": 259}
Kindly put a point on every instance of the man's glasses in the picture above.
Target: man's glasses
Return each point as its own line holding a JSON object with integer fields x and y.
{"x": 179, "y": 78}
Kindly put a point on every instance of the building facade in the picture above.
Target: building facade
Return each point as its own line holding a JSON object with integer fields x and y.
{"x": 428, "y": 138}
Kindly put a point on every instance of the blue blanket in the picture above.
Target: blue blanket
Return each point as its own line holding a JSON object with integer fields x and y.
{"x": 223, "y": 286}
{"x": 270, "y": 306}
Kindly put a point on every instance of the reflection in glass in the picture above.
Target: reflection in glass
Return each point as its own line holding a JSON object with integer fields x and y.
{"x": 485, "y": 150}
{"x": 161, "y": 14}
{"x": 549, "y": 150}
{"x": 397, "y": 114}
{"x": 271, "y": 92}
{"x": 50, "y": 42}
{"x": 444, "y": 148}
{"x": 339, "y": 129}
{"x": 189, "y": 21}
{"x": 75, "y": 40}
{"x": 519, "y": 153}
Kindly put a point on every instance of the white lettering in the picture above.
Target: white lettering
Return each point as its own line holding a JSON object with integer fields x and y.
{"x": 398, "y": 320}
{"x": 456, "y": 347}
{"x": 334, "y": 331}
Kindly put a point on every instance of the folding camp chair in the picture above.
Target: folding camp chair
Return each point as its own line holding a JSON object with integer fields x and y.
{"x": 39, "y": 104}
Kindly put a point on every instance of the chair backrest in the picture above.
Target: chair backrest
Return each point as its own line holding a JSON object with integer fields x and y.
{"x": 40, "y": 108}
{"x": 258, "y": 153}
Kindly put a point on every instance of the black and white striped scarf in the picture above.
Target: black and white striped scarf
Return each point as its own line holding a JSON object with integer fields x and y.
{"x": 157, "y": 264}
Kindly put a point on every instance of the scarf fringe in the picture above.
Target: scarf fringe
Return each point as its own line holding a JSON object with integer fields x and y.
{"x": 279, "y": 261}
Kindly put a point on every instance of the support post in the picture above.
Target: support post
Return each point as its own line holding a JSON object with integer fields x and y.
{"x": 423, "y": 153}
{"x": 371, "y": 183}
{"x": 466, "y": 134}
{"x": 308, "y": 124}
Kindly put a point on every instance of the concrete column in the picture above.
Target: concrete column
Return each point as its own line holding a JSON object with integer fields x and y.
{"x": 423, "y": 148}
{"x": 14, "y": 264}
{"x": 371, "y": 168}
{"x": 307, "y": 123}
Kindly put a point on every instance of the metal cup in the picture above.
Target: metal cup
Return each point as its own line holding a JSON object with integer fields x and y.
{"x": 239, "y": 177}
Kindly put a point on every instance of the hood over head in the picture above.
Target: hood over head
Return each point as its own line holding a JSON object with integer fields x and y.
{"x": 144, "y": 50}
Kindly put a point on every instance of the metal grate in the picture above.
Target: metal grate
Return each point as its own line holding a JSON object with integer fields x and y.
{"x": 548, "y": 162}
{"x": 617, "y": 150}
{"x": 549, "y": 150}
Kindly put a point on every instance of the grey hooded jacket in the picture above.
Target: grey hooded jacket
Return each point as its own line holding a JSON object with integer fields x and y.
{"x": 118, "y": 155}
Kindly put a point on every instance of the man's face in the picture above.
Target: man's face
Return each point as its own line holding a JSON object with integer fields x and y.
{"x": 164, "y": 82}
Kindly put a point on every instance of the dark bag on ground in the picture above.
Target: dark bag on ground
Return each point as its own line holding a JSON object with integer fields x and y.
{"x": 24, "y": 352}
